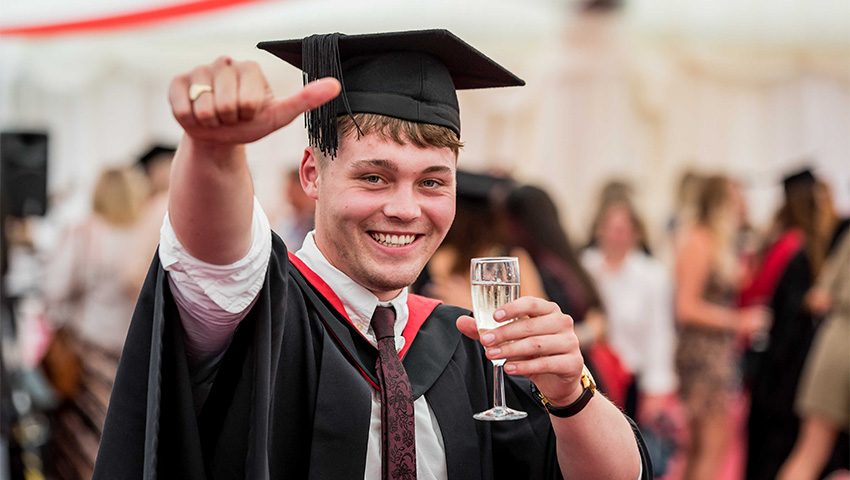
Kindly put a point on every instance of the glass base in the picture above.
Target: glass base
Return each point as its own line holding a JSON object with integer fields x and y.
{"x": 498, "y": 414}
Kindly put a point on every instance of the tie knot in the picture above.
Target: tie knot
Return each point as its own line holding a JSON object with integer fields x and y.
{"x": 383, "y": 321}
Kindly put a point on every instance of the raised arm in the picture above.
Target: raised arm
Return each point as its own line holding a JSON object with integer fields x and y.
{"x": 211, "y": 195}
{"x": 212, "y": 230}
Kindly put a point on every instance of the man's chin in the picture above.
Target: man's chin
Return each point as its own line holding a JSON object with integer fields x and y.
{"x": 391, "y": 283}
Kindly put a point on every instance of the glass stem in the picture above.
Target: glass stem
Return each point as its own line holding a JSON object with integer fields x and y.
{"x": 498, "y": 387}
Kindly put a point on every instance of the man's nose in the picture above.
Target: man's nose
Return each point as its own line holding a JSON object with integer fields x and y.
{"x": 403, "y": 204}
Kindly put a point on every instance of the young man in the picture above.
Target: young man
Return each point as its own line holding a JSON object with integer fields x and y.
{"x": 244, "y": 361}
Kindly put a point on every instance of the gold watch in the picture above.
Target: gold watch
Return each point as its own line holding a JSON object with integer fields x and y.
{"x": 589, "y": 388}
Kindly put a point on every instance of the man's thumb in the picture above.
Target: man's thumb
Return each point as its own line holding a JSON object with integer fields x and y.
{"x": 285, "y": 110}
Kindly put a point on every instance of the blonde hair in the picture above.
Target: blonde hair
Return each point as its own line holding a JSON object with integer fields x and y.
{"x": 119, "y": 195}
{"x": 714, "y": 211}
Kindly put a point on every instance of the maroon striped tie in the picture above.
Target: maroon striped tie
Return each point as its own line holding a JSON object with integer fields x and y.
{"x": 398, "y": 441}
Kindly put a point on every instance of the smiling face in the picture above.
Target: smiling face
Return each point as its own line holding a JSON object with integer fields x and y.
{"x": 382, "y": 209}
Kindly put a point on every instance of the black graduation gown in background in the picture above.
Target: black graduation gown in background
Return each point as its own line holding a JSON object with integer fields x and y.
{"x": 773, "y": 424}
{"x": 292, "y": 399}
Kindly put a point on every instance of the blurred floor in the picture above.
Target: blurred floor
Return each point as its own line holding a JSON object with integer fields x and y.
{"x": 734, "y": 466}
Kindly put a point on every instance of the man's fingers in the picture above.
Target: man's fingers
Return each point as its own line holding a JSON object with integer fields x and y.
{"x": 550, "y": 324}
{"x": 466, "y": 325}
{"x": 525, "y": 307}
{"x": 253, "y": 90}
{"x": 533, "y": 347}
{"x": 285, "y": 110}
{"x": 181, "y": 106}
{"x": 225, "y": 91}
{"x": 204, "y": 106}
{"x": 557, "y": 364}
{"x": 235, "y": 104}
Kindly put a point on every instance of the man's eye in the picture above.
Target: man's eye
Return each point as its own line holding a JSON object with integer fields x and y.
{"x": 431, "y": 183}
{"x": 372, "y": 178}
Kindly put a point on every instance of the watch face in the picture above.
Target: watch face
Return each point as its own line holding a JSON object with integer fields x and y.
{"x": 587, "y": 380}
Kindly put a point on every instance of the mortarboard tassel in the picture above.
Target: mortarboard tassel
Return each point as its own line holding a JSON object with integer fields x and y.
{"x": 321, "y": 59}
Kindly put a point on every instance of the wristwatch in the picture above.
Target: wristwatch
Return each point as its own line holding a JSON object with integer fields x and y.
{"x": 587, "y": 383}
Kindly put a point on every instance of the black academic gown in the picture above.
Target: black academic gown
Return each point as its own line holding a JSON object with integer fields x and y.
{"x": 292, "y": 399}
{"x": 773, "y": 424}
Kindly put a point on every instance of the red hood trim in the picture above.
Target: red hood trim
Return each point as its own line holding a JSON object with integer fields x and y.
{"x": 420, "y": 307}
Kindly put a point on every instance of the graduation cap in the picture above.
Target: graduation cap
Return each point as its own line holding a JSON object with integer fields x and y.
{"x": 155, "y": 152}
{"x": 409, "y": 75}
{"x": 481, "y": 189}
{"x": 804, "y": 177}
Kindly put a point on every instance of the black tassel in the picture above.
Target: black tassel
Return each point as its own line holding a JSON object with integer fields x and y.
{"x": 320, "y": 58}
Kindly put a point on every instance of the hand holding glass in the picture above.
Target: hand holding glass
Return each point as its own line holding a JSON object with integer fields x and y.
{"x": 495, "y": 282}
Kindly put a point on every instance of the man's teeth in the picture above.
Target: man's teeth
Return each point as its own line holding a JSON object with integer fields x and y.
{"x": 393, "y": 240}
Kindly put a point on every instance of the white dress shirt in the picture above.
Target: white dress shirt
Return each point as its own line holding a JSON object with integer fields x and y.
{"x": 639, "y": 308}
{"x": 213, "y": 299}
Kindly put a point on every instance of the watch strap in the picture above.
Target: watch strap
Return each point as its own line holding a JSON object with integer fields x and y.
{"x": 571, "y": 409}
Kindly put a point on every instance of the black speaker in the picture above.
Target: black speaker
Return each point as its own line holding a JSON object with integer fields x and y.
{"x": 23, "y": 173}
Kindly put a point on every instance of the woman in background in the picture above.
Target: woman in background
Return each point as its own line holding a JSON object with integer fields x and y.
{"x": 708, "y": 275}
{"x": 89, "y": 293}
{"x": 823, "y": 397}
{"x": 636, "y": 291}
{"x": 86, "y": 272}
{"x": 795, "y": 221}
{"x": 773, "y": 424}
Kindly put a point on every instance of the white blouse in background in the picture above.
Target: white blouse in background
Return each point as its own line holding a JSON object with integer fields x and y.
{"x": 639, "y": 308}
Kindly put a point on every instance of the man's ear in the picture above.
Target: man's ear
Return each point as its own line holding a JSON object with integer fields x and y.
{"x": 309, "y": 173}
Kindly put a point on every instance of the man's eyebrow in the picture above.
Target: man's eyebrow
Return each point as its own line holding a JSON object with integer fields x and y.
{"x": 438, "y": 169}
{"x": 375, "y": 162}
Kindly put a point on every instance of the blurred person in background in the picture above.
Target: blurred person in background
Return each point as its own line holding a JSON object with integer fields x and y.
{"x": 83, "y": 287}
{"x": 823, "y": 397}
{"x": 620, "y": 260}
{"x": 794, "y": 222}
{"x": 533, "y": 224}
{"x": 773, "y": 424}
{"x": 475, "y": 232}
{"x": 636, "y": 291}
{"x": 156, "y": 164}
{"x": 300, "y": 219}
{"x": 86, "y": 294}
{"x": 708, "y": 276}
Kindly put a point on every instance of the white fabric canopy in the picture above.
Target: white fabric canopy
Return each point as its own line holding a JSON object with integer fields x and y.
{"x": 639, "y": 96}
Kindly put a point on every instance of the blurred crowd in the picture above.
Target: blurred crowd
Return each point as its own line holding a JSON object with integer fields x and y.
{"x": 725, "y": 341}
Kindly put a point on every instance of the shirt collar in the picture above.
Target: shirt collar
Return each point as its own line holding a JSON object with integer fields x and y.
{"x": 359, "y": 302}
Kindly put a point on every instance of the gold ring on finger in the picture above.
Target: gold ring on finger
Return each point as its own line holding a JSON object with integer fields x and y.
{"x": 196, "y": 89}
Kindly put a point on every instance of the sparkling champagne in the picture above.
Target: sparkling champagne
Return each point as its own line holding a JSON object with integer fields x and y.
{"x": 487, "y": 297}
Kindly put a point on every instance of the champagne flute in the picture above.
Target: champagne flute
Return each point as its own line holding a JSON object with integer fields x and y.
{"x": 495, "y": 282}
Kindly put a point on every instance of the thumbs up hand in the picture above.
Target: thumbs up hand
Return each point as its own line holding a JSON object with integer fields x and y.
{"x": 229, "y": 102}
